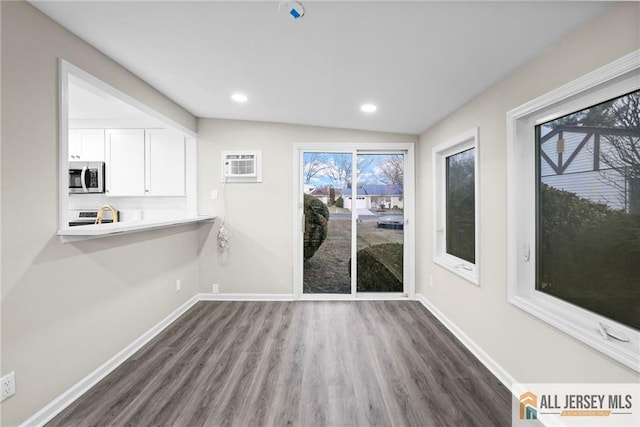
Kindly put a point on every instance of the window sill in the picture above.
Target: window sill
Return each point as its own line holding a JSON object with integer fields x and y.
{"x": 464, "y": 269}
{"x": 86, "y": 232}
{"x": 584, "y": 326}
{"x": 606, "y": 83}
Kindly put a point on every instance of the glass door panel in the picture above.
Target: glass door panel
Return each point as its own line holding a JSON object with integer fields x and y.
{"x": 379, "y": 204}
{"x": 327, "y": 223}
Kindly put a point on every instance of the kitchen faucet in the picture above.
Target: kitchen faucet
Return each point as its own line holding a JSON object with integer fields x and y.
{"x": 114, "y": 213}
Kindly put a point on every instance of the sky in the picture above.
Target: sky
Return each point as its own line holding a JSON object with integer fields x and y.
{"x": 334, "y": 169}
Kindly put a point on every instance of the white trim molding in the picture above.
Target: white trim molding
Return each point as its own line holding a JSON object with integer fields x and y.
{"x": 494, "y": 367}
{"x": 61, "y": 402}
{"x": 65, "y": 399}
{"x": 361, "y": 296}
{"x": 246, "y": 297}
{"x": 469, "y": 271}
{"x": 69, "y": 74}
{"x": 90, "y": 83}
{"x": 608, "y": 82}
{"x": 408, "y": 149}
{"x": 57, "y": 405}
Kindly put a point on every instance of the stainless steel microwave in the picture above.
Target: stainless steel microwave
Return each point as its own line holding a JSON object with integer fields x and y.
{"x": 86, "y": 177}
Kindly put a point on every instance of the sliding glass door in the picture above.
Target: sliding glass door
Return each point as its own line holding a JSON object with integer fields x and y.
{"x": 379, "y": 207}
{"x": 351, "y": 206}
{"x": 327, "y": 224}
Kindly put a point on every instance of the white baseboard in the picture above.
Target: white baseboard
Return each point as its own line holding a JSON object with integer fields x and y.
{"x": 381, "y": 296}
{"x": 305, "y": 297}
{"x": 57, "y": 405}
{"x": 245, "y": 297}
{"x": 493, "y": 366}
{"x": 74, "y": 392}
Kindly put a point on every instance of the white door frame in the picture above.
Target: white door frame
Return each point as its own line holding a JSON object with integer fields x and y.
{"x": 409, "y": 216}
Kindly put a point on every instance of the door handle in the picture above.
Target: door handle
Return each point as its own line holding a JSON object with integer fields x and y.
{"x": 83, "y": 176}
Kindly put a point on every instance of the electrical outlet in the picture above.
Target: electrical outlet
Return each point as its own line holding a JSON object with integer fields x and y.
{"x": 8, "y": 383}
{"x": 178, "y": 285}
{"x": 214, "y": 288}
{"x": 214, "y": 194}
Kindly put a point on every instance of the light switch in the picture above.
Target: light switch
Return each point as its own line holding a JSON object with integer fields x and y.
{"x": 214, "y": 194}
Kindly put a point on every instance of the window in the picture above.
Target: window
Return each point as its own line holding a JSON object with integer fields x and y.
{"x": 455, "y": 204}
{"x": 573, "y": 166}
{"x": 460, "y": 206}
{"x": 589, "y": 208}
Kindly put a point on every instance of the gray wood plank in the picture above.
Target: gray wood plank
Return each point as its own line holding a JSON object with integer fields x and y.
{"x": 337, "y": 363}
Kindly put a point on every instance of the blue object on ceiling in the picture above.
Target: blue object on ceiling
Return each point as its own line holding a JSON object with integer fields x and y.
{"x": 293, "y": 8}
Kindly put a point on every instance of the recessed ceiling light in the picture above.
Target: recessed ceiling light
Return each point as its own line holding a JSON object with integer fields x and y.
{"x": 368, "y": 108}
{"x": 239, "y": 97}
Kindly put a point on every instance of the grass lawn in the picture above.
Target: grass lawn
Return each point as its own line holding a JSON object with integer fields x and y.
{"x": 328, "y": 270}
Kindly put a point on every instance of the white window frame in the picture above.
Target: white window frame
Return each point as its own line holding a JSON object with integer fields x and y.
{"x": 613, "y": 80}
{"x": 355, "y": 148}
{"x": 465, "y": 269}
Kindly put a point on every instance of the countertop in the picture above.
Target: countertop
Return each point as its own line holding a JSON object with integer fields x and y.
{"x": 102, "y": 230}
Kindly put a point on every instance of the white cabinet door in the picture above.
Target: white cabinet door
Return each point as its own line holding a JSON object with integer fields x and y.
{"x": 74, "y": 144}
{"x": 165, "y": 163}
{"x": 125, "y": 161}
{"x": 86, "y": 145}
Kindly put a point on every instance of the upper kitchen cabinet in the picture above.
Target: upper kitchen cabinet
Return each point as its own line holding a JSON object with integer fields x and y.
{"x": 144, "y": 163}
{"x": 164, "y": 163}
{"x": 86, "y": 145}
{"x": 124, "y": 157}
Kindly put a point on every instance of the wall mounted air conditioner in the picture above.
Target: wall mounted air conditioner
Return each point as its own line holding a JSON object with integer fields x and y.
{"x": 241, "y": 166}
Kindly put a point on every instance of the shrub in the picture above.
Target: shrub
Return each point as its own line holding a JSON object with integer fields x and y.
{"x": 316, "y": 218}
{"x": 590, "y": 255}
{"x": 340, "y": 202}
{"x": 563, "y": 216}
{"x": 380, "y": 268}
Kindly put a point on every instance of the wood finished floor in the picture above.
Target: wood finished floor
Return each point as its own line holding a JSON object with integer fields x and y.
{"x": 303, "y": 363}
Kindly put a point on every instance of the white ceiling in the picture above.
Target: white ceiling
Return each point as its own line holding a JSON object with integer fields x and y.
{"x": 90, "y": 104}
{"x": 417, "y": 61}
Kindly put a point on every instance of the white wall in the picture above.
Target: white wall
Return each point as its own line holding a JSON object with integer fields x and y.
{"x": 66, "y": 309}
{"x": 259, "y": 214}
{"x": 526, "y": 347}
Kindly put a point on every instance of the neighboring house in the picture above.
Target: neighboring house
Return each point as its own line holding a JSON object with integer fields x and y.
{"x": 570, "y": 153}
{"x": 375, "y": 196}
{"x": 322, "y": 194}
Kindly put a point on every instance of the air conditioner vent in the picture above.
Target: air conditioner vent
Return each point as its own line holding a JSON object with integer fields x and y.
{"x": 242, "y": 166}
